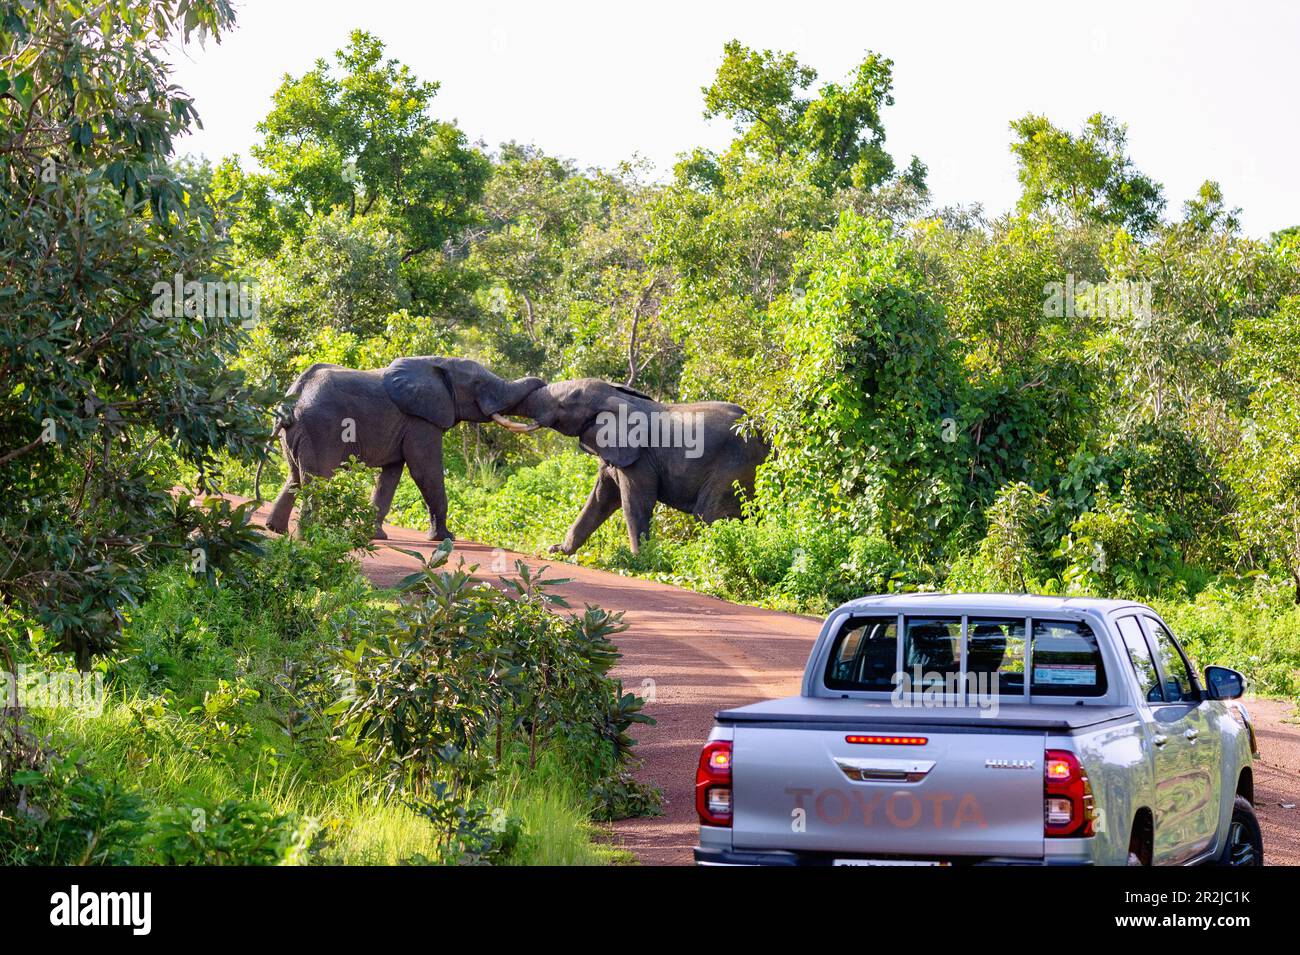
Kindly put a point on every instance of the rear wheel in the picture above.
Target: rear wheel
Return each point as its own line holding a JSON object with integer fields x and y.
{"x": 1245, "y": 841}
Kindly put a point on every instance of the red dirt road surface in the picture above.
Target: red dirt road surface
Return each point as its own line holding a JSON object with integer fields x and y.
{"x": 692, "y": 655}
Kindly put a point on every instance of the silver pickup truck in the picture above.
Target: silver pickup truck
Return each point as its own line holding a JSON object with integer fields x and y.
{"x": 979, "y": 728}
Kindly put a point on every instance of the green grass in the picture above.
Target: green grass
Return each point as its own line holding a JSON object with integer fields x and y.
{"x": 238, "y": 648}
{"x": 358, "y": 828}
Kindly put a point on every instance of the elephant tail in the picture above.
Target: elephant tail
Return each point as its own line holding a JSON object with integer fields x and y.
{"x": 282, "y": 420}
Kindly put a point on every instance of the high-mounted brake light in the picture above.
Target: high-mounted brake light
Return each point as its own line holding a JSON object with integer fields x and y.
{"x": 713, "y": 784}
{"x": 1067, "y": 795}
{"x": 889, "y": 740}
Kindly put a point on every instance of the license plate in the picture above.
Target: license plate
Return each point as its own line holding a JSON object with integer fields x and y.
{"x": 887, "y": 862}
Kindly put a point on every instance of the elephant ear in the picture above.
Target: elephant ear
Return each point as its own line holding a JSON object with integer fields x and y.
{"x": 603, "y": 438}
{"x": 419, "y": 388}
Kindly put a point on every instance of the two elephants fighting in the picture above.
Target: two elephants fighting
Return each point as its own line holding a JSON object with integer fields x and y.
{"x": 687, "y": 456}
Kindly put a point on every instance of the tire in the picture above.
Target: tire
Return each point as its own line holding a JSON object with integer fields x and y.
{"x": 1245, "y": 845}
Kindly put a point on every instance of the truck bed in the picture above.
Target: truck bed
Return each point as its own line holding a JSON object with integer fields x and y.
{"x": 794, "y": 711}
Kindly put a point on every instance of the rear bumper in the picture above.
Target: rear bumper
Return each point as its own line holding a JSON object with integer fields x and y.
{"x": 716, "y": 856}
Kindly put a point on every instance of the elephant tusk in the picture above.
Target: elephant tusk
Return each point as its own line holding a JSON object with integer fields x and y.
{"x": 514, "y": 426}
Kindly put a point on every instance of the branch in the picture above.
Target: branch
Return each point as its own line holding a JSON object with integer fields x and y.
{"x": 19, "y": 452}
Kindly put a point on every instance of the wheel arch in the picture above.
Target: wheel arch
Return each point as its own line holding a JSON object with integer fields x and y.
{"x": 1143, "y": 829}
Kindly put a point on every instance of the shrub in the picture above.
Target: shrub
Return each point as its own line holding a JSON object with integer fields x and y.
{"x": 231, "y": 832}
{"x": 1255, "y": 630}
{"x": 1007, "y": 559}
{"x": 1117, "y": 548}
{"x": 64, "y": 815}
{"x": 461, "y": 673}
{"x": 338, "y": 511}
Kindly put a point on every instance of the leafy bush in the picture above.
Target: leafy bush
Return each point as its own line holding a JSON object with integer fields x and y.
{"x": 1118, "y": 548}
{"x": 64, "y": 815}
{"x": 226, "y": 833}
{"x": 460, "y": 673}
{"x": 338, "y": 511}
{"x": 1255, "y": 629}
{"x": 1008, "y": 559}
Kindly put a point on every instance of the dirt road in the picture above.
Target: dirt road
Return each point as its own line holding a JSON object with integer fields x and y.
{"x": 692, "y": 655}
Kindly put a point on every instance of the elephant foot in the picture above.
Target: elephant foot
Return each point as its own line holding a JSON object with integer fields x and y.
{"x": 440, "y": 535}
{"x": 379, "y": 535}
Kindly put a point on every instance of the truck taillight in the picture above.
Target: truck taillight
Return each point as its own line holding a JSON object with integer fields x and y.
{"x": 1067, "y": 795}
{"x": 713, "y": 784}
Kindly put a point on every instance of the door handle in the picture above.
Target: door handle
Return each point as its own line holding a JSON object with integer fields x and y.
{"x": 1160, "y": 739}
{"x": 1191, "y": 735}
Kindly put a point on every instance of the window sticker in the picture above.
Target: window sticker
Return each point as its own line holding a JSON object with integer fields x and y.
{"x": 1066, "y": 674}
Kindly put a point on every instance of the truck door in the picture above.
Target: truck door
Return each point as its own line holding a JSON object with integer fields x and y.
{"x": 1186, "y": 744}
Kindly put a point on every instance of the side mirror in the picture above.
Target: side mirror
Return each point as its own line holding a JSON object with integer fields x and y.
{"x": 1223, "y": 683}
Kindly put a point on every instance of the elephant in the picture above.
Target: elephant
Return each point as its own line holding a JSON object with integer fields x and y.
{"x": 687, "y": 456}
{"x": 389, "y": 419}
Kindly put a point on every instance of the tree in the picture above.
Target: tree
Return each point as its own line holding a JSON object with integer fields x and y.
{"x": 1028, "y": 400}
{"x": 839, "y": 133}
{"x": 114, "y": 349}
{"x": 1168, "y": 353}
{"x": 1088, "y": 178}
{"x": 355, "y": 139}
{"x": 759, "y": 93}
{"x": 1264, "y": 469}
{"x": 343, "y": 274}
{"x": 365, "y": 137}
{"x": 857, "y": 415}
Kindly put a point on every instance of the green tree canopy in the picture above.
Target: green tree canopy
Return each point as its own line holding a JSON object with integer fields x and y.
{"x": 839, "y": 132}
{"x": 1088, "y": 178}
{"x": 106, "y": 376}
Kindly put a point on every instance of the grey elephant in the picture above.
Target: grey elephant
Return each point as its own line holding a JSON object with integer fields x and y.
{"x": 389, "y": 419}
{"x": 687, "y": 456}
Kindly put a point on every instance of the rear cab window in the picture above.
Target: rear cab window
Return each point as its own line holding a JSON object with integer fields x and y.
{"x": 1060, "y": 658}
{"x": 1066, "y": 660}
{"x": 931, "y": 650}
{"x": 865, "y": 654}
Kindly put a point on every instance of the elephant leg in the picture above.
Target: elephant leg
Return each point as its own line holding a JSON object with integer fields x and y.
{"x": 278, "y": 519}
{"x": 282, "y": 508}
{"x": 602, "y": 502}
{"x": 423, "y": 452}
{"x": 385, "y": 487}
{"x": 638, "y": 492}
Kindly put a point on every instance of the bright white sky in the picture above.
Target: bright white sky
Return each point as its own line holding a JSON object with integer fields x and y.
{"x": 1208, "y": 89}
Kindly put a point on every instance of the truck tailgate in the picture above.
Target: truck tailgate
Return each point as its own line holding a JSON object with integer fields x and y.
{"x": 964, "y": 791}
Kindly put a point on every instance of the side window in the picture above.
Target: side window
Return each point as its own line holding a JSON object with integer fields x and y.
{"x": 1178, "y": 679}
{"x": 995, "y": 654}
{"x": 931, "y": 650}
{"x": 864, "y": 655}
{"x": 1139, "y": 655}
{"x": 1066, "y": 660}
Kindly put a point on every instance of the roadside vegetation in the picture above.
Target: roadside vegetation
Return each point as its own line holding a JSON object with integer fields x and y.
{"x": 1095, "y": 392}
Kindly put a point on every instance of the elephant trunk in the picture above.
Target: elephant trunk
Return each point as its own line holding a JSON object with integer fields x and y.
{"x": 515, "y": 394}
